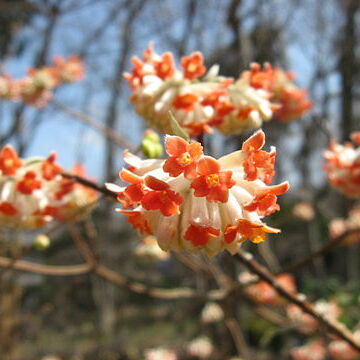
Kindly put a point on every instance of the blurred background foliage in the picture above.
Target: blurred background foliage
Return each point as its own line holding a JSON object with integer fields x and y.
{"x": 84, "y": 317}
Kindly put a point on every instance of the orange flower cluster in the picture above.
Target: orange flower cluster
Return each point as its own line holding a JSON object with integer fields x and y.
{"x": 339, "y": 226}
{"x": 36, "y": 88}
{"x": 342, "y": 164}
{"x": 202, "y": 100}
{"x": 293, "y": 101}
{"x": 305, "y": 322}
{"x": 314, "y": 350}
{"x": 33, "y": 192}
{"x": 263, "y": 293}
{"x": 318, "y": 350}
{"x": 194, "y": 202}
{"x": 341, "y": 350}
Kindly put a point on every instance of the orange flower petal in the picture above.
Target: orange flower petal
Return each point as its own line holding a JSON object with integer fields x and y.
{"x": 156, "y": 184}
{"x": 130, "y": 177}
{"x": 175, "y": 145}
{"x": 254, "y": 142}
{"x": 190, "y": 171}
{"x": 195, "y": 149}
{"x": 200, "y": 186}
{"x": 9, "y": 160}
{"x": 8, "y": 209}
{"x": 200, "y": 235}
{"x": 173, "y": 167}
{"x": 208, "y": 165}
{"x": 193, "y": 65}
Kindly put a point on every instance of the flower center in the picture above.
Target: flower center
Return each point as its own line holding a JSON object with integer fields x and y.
{"x": 164, "y": 67}
{"x": 212, "y": 180}
{"x": 258, "y": 238}
{"x": 163, "y": 196}
{"x": 191, "y": 68}
{"x": 9, "y": 163}
{"x": 184, "y": 159}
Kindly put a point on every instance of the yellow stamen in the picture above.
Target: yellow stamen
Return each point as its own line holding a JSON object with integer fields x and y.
{"x": 184, "y": 159}
{"x": 191, "y": 68}
{"x": 212, "y": 180}
{"x": 9, "y": 162}
{"x": 259, "y": 238}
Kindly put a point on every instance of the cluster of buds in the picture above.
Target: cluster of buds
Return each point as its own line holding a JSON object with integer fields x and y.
{"x": 305, "y": 323}
{"x": 194, "y": 202}
{"x": 36, "y": 88}
{"x": 33, "y": 192}
{"x": 202, "y": 100}
{"x": 293, "y": 101}
{"x": 265, "y": 294}
{"x": 342, "y": 164}
{"x": 340, "y": 226}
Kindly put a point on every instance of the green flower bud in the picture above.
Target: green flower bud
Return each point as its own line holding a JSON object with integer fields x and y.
{"x": 41, "y": 242}
{"x": 150, "y": 145}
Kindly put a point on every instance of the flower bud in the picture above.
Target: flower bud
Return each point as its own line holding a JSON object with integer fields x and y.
{"x": 41, "y": 242}
{"x": 150, "y": 145}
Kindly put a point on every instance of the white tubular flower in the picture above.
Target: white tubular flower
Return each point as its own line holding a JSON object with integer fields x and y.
{"x": 194, "y": 202}
{"x": 198, "y": 102}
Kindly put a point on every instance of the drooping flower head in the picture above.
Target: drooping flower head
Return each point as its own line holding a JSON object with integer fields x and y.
{"x": 342, "y": 165}
{"x": 200, "y": 101}
{"x": 194, "y": 202}
{"x": 293, "y": 101}
{"x": 33, "y": 192}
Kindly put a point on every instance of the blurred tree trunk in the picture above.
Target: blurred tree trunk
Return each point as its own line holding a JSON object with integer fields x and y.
{"x": 348, "y": 67}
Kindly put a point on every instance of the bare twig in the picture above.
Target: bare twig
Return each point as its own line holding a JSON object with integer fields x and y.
{"x": 333, "y": 326}
{"x": 90, "y": 184}
{"x": 238, "y": 337}
{"x": 21, "y": 265}
{"x": 322, "y": 250}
